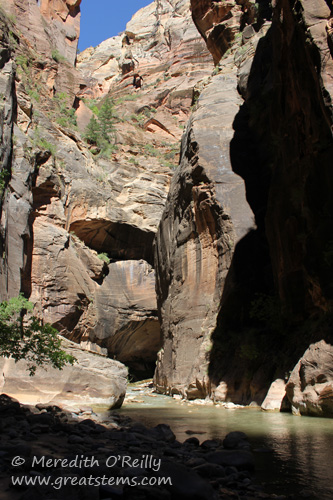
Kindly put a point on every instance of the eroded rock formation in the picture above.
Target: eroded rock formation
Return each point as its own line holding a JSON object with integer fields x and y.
{"x": 92, "y": 379}
{"x": 205, "y": 216}
{"x": 77, "y": 230}
{"x": 244, "y": 274}
{"x": 310, "y": 385}
{"x": 278, "y": 293}
{"x": 50, "y": 26}
{"x": 273, "y": 294}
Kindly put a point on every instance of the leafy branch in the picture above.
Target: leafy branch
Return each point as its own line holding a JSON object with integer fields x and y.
{"x": 29, "y": 339}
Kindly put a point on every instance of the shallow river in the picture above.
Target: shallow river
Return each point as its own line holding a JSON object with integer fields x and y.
{"x": 293, "y": 454}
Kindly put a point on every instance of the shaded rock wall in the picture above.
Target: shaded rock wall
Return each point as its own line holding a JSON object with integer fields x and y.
{"x": 281, "y": 275}
{"x": 122, "y": 318}
{"x": 270, "y": 291}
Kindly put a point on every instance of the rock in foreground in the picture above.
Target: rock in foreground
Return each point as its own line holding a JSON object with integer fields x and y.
{"x": 119, "y": 459}
{"x": 92, "y": 378}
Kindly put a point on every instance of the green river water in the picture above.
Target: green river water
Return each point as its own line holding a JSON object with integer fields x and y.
{"x": 293, "y": 454}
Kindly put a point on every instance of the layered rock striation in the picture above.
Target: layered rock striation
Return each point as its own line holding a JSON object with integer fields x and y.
{"x": 270, "y": 291}
{"x": 280, "y": 278}
{"x": 77, "y": 228}
{"x": 205, "y": 216}
{"x": 310, "y": 385}
{"x": 92, "y": 379}
{"x": 243, "y": 244}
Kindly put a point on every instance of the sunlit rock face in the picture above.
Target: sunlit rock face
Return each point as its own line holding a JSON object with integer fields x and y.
{"x": 160, "y": 43}
{"x": 64, "y": 210}
{"x": 49, "y": 25}
{"x": 205, "y": 216}
{"x": 310, "y": 385}
{"x": 92, "y": 379}
{"x": 219, "y": 22}
{"x": 51, "y": 29}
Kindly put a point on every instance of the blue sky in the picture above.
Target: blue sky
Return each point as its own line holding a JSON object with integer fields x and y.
{"x": 101, "y": 19}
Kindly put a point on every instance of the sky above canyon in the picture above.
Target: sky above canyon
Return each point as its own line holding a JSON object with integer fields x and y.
{"x": 102, "y": 19}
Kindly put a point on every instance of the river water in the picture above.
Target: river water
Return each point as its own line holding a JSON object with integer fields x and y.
{"x": 293, "y": 454}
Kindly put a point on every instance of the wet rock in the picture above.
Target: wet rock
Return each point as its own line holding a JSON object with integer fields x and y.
{"x": 192, "y": 441}
{"x": 210, "y": 470}
{"x": 74, "y": 439}
{"x": 241, "y": 459}
{"x": 211, "y": 444}
{"x": 42, "y": 418}
{"x": 147, "y": 493}
{"x": 20, "y": 449}
{"x": 67, "y": 491}
{"x": 194, "y": 462}
{"x": 108, "y": 491}
{"x": 163, "y": 432}
{"x": 236, "y": 440}
{"x": 186, "y": 484}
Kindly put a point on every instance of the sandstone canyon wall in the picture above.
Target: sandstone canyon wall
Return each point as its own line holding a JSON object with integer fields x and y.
{"x": 38, "y": 257}
{"x": 77, "y": 228}
{"x": 268, "y": 293}
{"x": 161, "y": 45}
{"x": 278, "y": 293}
{"x": 238, "y": 238}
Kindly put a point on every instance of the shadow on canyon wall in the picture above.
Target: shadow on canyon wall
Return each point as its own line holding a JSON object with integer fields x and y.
{"x": 278, "y": 292}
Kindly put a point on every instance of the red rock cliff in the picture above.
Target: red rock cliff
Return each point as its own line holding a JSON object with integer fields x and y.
{"x": 276, "y": 295}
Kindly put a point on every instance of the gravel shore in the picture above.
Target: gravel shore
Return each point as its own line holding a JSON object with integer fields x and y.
{"x": 49, "y": 453}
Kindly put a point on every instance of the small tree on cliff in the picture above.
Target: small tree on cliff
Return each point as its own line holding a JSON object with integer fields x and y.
{"x": 100, "y": 130}
{"x": 29, "y": 339}
{"x": 106, "y": 117}
{"x": 92, "y": 132}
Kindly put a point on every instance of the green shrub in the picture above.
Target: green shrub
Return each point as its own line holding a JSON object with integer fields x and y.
{"x": 92, "y": 131}
{"x": 56, "y": 56}
{"x": 22, "y": 60}
{"x": 33, "y": 94}
{"x": 104, "y": 257}
{"x": 42, "y": 143}
{"x": 4, "y": 175}
{"x": 29, "y": 339}
{"x": 128, "y": 97}
{"x": 66, "y": 114}
{"x": 151, "y": 150}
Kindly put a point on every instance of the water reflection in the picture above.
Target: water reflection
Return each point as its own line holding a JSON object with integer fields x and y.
{"x": 293, "y": 454}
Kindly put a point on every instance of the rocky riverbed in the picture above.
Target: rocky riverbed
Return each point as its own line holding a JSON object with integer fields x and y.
{"x": 48, "y": 452}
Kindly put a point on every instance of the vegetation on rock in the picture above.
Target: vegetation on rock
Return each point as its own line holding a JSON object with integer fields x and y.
{"x": 29, "y": 339}
{"x": 100, "y": 130}
{"x": 66, "y": 114}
